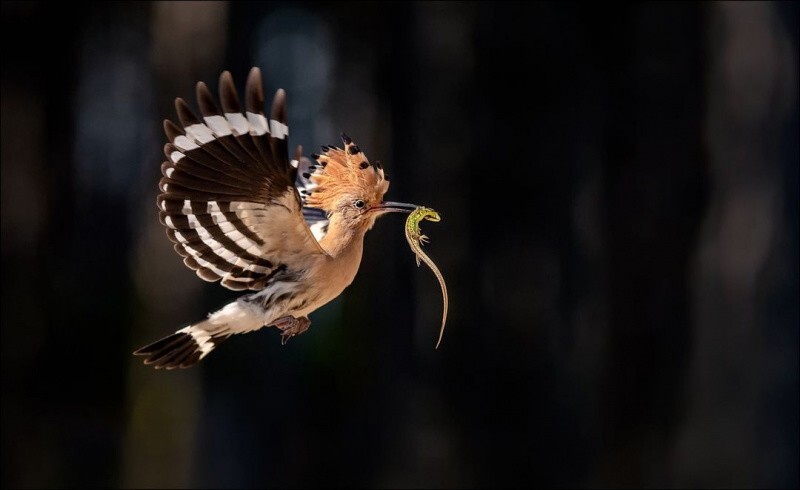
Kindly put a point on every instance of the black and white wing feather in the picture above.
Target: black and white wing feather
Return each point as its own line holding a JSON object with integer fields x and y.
{"x": 228, "y": 196}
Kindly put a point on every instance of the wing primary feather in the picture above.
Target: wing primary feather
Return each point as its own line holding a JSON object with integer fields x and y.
{"x": 205, "y": 100}
{"x": 227, "y": 94}
{"x": 185, "y": 114}
{"x": 172, "y": 130}
{"x": 279, "y": 144}
{"x": 254, "y": 100}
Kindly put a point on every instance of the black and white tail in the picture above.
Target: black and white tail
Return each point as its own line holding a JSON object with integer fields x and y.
{"x": 190, "y": 345}
{"x": 183, "y": 349}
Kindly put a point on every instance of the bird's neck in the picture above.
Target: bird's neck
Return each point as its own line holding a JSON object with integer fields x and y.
{"x": 343, "y": 240}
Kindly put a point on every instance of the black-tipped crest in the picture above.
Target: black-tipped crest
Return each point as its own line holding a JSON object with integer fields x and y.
{"x": 345, "y": 172}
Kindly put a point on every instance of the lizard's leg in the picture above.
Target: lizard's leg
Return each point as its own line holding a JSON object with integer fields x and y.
{"x": 422, "y": 239}
{"x": 291, "y": 326}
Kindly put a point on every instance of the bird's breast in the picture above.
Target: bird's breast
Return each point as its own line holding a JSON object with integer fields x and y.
{"x": 329, "y": 277}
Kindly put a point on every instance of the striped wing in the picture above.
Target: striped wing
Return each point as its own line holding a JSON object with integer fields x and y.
{"x": 228, "y": 197}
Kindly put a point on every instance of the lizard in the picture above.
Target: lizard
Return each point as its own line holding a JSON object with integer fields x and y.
{"x": 415, "y": 240}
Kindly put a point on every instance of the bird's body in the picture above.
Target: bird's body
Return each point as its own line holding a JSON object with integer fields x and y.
{"x": 238, "y": 213}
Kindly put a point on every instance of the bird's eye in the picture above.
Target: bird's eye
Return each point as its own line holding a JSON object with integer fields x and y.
{"x": 359, "y": 204}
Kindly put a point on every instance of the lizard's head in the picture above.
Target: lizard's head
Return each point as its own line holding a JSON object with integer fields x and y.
{"x": 430, "y": 215}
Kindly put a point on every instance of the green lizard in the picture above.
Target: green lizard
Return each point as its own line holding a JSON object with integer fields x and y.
{"x": 415, "y": 240}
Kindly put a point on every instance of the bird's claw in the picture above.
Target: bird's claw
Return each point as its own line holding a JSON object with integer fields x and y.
{"x": 291, "y": 326}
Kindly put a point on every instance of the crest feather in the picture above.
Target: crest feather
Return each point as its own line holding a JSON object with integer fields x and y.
{"x": 345, "y": 172}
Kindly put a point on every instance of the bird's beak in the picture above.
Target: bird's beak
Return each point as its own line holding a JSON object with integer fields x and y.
{"x": 393, "y": 207}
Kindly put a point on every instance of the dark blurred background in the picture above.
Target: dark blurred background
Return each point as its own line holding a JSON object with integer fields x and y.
{"x": 619, "y": 192}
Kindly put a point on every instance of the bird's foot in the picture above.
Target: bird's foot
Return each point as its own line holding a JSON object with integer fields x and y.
{"x": 291, "y": 326}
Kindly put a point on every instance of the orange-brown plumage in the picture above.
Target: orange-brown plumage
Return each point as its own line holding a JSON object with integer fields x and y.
{"x": 346, "y": 172}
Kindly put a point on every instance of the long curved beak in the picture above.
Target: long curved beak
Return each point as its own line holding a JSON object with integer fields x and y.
{"x": 393, "y": 207}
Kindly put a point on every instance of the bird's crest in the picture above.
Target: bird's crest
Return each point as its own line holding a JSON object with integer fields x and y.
{"x": 344, "y": 172}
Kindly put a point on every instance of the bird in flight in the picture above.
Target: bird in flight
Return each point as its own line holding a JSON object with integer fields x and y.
{"x": 239, "y": 211}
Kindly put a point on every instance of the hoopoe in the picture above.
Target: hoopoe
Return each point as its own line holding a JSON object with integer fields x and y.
{"x": 238, "y": 213}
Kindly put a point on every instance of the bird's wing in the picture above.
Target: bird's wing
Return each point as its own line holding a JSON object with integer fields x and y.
{"x": 228, "y": 197}
{"x": 316, "y": 218}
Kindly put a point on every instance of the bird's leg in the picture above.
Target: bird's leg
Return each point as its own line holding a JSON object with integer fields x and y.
{"x": 291, "y": 326}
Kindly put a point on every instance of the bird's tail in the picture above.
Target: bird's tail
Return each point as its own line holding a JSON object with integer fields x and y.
{"x": 191, "y": 344}
{"x": 183, "y": 349}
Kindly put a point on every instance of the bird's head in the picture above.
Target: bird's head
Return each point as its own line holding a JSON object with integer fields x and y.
{"x": 349, "y": 187}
